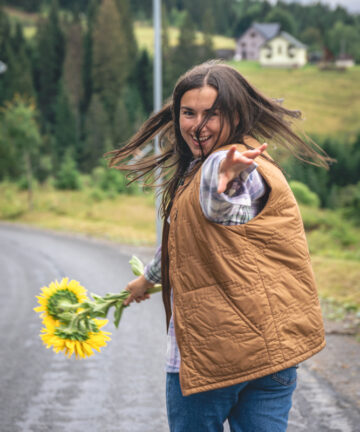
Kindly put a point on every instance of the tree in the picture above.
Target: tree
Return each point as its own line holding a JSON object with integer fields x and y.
{"x": 185, "y": 54}
{"x": 20, "y": 66}
{"x": 143, "y": 80}
{"x": 127, "y": 25}
{"x": 6, "y": 56}
{"x": 49, "y": 59}
{"x": 65, "y": 130}
{"x": 73, "y": 65}
{"x": 20, "y": 137}
{"x": 284, "y": 18}
{"x": 207, "y": 49}
{"x": 97, "y": 135}
{"x": 111, "y": 65}
{"x": 344, "y": 38}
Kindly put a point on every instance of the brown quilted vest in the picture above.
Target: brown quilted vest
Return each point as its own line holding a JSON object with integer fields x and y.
{"x": 245, "y": 300}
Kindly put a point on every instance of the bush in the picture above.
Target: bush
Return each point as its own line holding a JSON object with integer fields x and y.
{"x": 23, "y": 183}
{"x": 349, "y": 198}
{"x": 304, "y": 195}
{"x": 68, "y": 177}
{"x": 112, "y": 180}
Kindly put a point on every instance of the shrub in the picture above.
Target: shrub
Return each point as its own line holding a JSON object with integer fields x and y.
{"x": 112, "y": 180}
{"x": 304, "y": 195}
{"x": 68, "y": 177}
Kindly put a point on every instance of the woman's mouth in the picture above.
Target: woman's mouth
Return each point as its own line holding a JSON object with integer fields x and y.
{"x": 201, "y": 141}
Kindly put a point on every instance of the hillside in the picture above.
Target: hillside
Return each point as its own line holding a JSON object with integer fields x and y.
{"x": 329, "y": 100}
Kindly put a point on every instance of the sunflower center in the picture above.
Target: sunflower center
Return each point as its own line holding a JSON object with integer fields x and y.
{"x": 59, "y": 298}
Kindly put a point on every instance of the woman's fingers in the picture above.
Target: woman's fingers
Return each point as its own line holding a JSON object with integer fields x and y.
{"x": 234, "y": 163}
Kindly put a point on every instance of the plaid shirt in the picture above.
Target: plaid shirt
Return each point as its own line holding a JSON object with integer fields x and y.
{"x": 241, "y": 202}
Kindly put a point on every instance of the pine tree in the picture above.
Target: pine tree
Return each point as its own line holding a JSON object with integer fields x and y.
{"x": 49, "y": 62}
{"x": 207, "y": 50}
{"x": 65, "y": 130}
{"x": 142, "y": 79}
{"x": 97, "y": 134}
{"x": 127, "y": 24}
{"x": 110, "y": 68}
{"x": 6, "y": 56}
{"x": 73, "y": 67}
{"x": 20, "y": 65}
{"x": 88, "y": 56}
{"x": 186, "y": 53}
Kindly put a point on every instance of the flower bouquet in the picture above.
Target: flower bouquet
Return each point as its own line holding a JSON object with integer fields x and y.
{"x": 71, "y": 320}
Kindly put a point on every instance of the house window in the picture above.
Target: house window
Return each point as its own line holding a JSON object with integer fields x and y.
{"x": 268, "y": 53}
{"x": 252, "y": 34}
{"x": 291, "y": 50}
{"x": 279, "y": 49}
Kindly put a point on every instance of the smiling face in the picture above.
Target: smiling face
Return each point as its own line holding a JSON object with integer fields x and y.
{"x": 195, "y": 104}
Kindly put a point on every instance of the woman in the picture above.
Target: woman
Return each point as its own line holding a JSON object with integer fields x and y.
{"x": 238, "y": 288}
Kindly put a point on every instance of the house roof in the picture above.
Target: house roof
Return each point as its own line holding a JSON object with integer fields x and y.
{"x": 287, "y": 37}
{"x": 268, "y": 30}
{"x": 292, "y": 40}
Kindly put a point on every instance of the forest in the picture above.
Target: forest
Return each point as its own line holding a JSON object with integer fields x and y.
{"x": 80, "y": 85}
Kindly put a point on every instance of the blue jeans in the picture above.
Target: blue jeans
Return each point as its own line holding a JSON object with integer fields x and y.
{"x": 260, "y": 405}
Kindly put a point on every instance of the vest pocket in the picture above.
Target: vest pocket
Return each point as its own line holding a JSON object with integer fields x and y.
{"x": 238, "y": 312}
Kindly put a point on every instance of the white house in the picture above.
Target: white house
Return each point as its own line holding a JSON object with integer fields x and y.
{"x": 249, "y": 43}
{"x": 283, "y": 50}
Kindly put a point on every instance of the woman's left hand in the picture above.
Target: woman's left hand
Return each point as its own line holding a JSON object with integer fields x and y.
{"x": 234, "y": 163}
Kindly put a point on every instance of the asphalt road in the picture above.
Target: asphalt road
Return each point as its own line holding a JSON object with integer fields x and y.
{"x": 122, "y": 388}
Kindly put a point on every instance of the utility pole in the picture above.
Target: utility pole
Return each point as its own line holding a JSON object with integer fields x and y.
{"x": 157, "y": 97}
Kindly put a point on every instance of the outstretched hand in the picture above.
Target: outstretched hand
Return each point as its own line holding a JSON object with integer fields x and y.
{"x": 234, "y": 163}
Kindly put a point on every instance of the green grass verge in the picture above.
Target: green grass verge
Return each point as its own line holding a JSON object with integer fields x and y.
{"x": 131, "y": 220}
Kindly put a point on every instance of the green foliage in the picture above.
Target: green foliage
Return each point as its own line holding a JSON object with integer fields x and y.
{"x": 111, "y": 55}
{"x": 68, "y": 177}
{"x": 142, "y": 77}
{"x": 304, "y": 195}
{"x": 12, "y": 206}
{"x": 349, "y": 199}
{"x": 48, "y": 62}
{"x": 23, "y": 183}
{"x": 283, "y": 17}
{"x": 112, "y": 180}
{"x": 19, "y": 137}
{"x": 345, "y": 38}
{"x": 97, "y": 134}
{"x": 65, "y": 131}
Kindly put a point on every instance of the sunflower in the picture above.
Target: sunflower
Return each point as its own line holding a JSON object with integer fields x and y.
{"x": 56, "y": 294}
{"x": 74, "y": 341}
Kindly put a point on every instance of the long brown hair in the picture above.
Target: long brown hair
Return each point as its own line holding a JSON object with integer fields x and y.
{"x": 245, "y": 109}
{"x": 241, "y": 106}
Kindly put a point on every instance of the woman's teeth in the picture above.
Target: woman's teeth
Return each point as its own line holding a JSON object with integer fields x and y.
{"x": 202, "y": 139}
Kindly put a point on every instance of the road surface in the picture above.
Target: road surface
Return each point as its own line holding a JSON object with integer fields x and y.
{"x": 122, "y": 388}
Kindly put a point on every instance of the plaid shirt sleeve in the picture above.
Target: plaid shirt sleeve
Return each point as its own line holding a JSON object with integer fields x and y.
{"x": 152, "y": 270}
{"x": 240, "y": 203}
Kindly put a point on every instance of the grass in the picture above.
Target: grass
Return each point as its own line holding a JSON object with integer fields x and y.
{"x": 131, "y": 220}
{"x": 126, "y": 219}
{"x": 329, "y": 100}
{"x": 144, "y": 34}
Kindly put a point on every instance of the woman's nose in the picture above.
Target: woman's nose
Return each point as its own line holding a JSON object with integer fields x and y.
{"x": 197, "y": 121}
